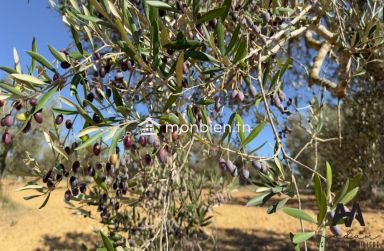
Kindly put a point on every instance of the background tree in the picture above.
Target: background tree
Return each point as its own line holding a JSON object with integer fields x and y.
{"x": 12, "y": 155}
{"x": 362, "y": 141}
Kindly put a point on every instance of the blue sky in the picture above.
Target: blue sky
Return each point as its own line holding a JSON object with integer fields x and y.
{"x": 20, "y": 22}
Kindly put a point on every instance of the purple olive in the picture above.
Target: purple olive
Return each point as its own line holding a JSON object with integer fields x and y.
{"x": 231, "y": 168}
{"x": 163, "y": 155}
{"x": 65, "y": 65}
{"x": 260, "y": 166}
{"x": 96, "y": 149}
{"x": 8, "y": 120}
{"x": 99, "y": 166}
{"x": 76, "y": 166}
{"x": 83, "y": 188}
{"x": 127, "y": 140}
{"x": 18, "y": 105}
{"x": 68, "y": 124}
{"x": 244, "y": 174}
{"x": 67, "y": 195}
{"x": 75, "y": 191}
{"x": 91, "y": 171}
{"x": 59, "y": 119}
{"x": 266, "y": 16}
{"x": 2, "y": 102}
{"x": 73, "y": 181}
{"x": 234, "y": 94}
{"x": 252, "y": 91}
{"x": 240, "y": 96}
{"x": 50, "y": 184}
{"x": 33, "y": 101}
{"x": 142, "y": 141}
{"x": 148, "y": 159}
{"x": 38, "y": 116}
{"x": 223, "y": 165}
{"x": 102, "y": 72}
{"x": 47, "y": 176}
{"x": 7, "y": 138}
{"x": 2, "y": 122}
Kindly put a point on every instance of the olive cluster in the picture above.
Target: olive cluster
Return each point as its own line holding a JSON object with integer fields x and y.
{"x": 20, "y": 109}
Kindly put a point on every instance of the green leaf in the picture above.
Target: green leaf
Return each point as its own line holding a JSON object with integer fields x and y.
{"x": 191, "y": 118}
{"x": 155, "y": 36}
{"x": 32, "y": 196}
{"x": 90, "y": 141}
{"x": 320, "y": 199}
{"x": 260, "y": 199}
{"x": 328, "y": 173}
{"x": 33, "y": 63}
{"x": 355, "y": 181}
{"x": 76, "y": 37}
{"x": 234, "y": 39}
{"x": 299, "y": 214}
{"x": 349, "y": 196}
{"x": 57, "y": 54}
{"x": 171, "y": 118}
{"x": 200, "y": 56}
{"x": 228, "y": 131}
{"x": 115, "y": 140}
{"x": 116, "y": 97}
{"x": 45, "y": 201}
{"x": 253, "y": 134}
{"x": 107, "y": 242}
{"x": 65, "y": 111}
{"x": 179, "y": 71}
{"x": 240, "y": 127}
{"x": 195, "y": 7}
{"x": 29, "y": 187}
{"x": 209, "y": 15}
{"x": 322, "y": 208}
{"x": 303, "y": 236}
{"x": 241, "y": 51}
{"x": 172, "y": 99}
{"x": 45, "y": 98}
{"x": 342, "y": 192}
{"x": 277, "y": 205}
{"x": 227, "y": 5}
{"x": 8, "y": 70}
{"x": 11, "y": 89}
{"x": 27, "y": 78}
{"x": 318, "y": 189}
{"x": 159, "y": 4}
{"x": 219, "y": 29}
{"x": 91, "y": 19}
{"x": 42, "y": 60}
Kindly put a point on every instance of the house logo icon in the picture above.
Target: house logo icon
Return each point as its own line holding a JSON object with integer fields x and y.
{"x": 148, "y": 126}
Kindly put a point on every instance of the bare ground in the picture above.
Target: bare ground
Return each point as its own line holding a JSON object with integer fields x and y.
{"x": 236, "y": 227}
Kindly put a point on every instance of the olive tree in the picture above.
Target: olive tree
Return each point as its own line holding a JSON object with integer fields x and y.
{"x": 188, "y": 64}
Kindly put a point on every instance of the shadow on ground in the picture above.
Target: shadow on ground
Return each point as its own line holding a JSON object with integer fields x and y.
{"x": 70, "y": 241}
{"x": 237, "y": 239}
